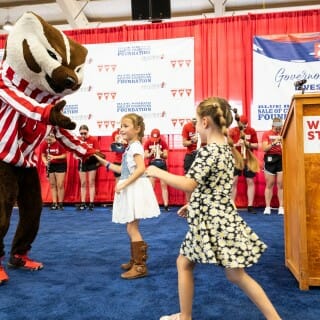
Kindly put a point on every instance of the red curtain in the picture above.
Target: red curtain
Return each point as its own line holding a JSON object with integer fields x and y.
{"x": 223, "y": 67}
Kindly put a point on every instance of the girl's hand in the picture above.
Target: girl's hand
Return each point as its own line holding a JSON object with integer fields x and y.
{"x": 153, "y": 171}
{"x": 194, "y": 138}
{"x": 100, "y": 157}
{"x": 119, "y": 187}
{"x": 183, "y": 211}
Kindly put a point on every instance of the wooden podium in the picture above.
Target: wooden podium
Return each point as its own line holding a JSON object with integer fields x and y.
{"x": 301, "y": 185}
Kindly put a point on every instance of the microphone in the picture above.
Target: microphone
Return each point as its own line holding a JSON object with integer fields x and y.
{"x": 300, "y": 83}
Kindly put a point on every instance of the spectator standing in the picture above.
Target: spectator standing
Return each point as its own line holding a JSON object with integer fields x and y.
{"x": 272, "y": 147}
{"x": 156, "y": 151}
{"x": 87, "y": 171}
{"x": 190, "y": 141}
{"x": 245, "y": 139}
{"x": 54, "y": 157}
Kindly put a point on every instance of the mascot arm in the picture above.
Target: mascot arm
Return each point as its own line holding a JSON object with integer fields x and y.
{"x": 57, "y": 118}
{"x": 48, "y": 113}
{"x": 78, "y": 147}
{"x": 73, "y": 144}
{"x": 25, "y": 105}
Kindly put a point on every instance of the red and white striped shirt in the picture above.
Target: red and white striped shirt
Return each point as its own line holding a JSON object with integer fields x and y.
{"x": 24, "y": 121}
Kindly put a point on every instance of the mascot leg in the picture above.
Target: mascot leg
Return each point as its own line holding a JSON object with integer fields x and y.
{"x": 8, "y": 196}
{"x": 30, "y": 207}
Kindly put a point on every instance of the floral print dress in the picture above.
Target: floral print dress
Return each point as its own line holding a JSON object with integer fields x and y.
{"x": 217, "y": 234}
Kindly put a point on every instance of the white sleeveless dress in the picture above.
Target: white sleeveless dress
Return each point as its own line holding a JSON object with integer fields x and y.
{"x": 138, "y": 200}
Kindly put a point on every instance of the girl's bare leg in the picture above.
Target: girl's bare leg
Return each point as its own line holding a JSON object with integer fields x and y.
{"x": 186, "y": 286}
{"x": 254, "y": 291}
{"x": 133, "y": 231}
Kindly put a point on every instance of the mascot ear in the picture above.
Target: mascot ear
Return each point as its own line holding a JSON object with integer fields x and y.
{"x": 57, "y": 118}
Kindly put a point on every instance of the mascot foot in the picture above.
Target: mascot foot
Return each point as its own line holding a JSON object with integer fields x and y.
{"x": 22, "y": 261}
{"x": 3, "y": 275}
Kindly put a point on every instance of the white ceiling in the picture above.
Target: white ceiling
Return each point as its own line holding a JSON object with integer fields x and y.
{"x": 74, "y": 14}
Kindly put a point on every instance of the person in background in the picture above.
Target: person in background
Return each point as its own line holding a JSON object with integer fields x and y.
{"x": 118, "y": 147}
{"x": 87, "y": 171}
{"x": 156, "y": 151}
{"x": 54, "y": 157}
{"x": 134, "y": 196}
{"x": 217, "y": 234}
{"x": 245, "y": 139}
{"x": 189, "y": 140}
{"x": 272, "y": 147}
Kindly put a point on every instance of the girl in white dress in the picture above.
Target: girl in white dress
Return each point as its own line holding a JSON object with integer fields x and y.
{"x": 134, "y": 195}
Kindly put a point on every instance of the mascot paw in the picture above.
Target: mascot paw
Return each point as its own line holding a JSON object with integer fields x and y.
{"x": 93, "y": 160}
{"x": 57, "y": 118}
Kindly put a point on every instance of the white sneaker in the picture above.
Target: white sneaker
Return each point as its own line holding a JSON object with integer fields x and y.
{"x": 267, "y": 210}
{"x": 281, "y": 210}
{"x": 175, "y": 316}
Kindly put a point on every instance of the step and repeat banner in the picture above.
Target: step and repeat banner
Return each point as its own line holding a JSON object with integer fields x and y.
{"x": 152, "y": 78}
{"x": 280, "y": 62}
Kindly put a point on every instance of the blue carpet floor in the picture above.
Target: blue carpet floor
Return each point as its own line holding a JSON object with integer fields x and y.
{"x": 82, "y": 252}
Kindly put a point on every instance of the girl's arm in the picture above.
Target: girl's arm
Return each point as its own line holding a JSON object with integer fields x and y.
{"x": 137, "y": 173}
{"x": 183, "y": 211}
{"x": 108, "y": 165}
{"x": 178, "y": 182}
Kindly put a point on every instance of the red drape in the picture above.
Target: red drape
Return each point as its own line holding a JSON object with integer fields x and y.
{"x": 223, "y": 66}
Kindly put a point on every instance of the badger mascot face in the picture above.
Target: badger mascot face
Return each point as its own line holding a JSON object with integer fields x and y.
{"x": 40, "y": 66}
{"x": 44, "y": 56}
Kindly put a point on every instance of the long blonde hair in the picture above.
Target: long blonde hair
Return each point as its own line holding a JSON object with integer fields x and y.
{"x": 220, "y": 111}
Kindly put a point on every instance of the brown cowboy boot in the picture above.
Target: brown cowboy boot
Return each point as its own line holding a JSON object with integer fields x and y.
{"x": 139, "y": 268}
{"x": 128, "y": 265}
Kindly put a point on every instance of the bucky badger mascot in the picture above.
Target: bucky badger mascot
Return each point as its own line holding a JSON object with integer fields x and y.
{"x": 40, "y": 66}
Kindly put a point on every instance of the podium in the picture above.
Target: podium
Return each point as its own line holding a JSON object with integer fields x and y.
{"x": 301, "y": 186}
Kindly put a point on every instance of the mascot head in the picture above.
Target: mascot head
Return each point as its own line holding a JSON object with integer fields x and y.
{"x": 44, "y": 57}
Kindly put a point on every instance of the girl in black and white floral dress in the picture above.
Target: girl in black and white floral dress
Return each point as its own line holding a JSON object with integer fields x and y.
{"x": 217, "y": 234}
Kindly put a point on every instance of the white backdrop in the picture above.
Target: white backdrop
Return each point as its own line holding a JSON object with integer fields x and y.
{"x": 152, "y": 78}
{"x": 278, "y": 62}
